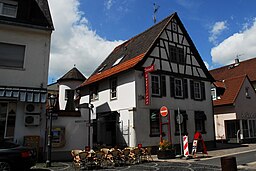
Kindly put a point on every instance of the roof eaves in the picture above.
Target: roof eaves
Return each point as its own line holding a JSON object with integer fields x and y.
{"x": 114, "y": 70}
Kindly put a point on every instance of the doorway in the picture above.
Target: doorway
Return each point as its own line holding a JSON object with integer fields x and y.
{"x": 106, "y": 129}
{"x": 232, "y": 126}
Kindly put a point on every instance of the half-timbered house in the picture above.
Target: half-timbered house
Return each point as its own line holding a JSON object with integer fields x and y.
{"x": 159, "y": 67}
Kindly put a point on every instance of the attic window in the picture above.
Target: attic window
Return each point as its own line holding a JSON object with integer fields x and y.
{"x": 118, "y": 60}
{"x": 8, "y": 8}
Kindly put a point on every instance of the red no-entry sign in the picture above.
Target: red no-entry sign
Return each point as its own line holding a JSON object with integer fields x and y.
{"x": 164, "y": 111}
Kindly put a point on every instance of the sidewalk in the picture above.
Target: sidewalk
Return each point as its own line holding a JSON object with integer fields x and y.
{"x": 222, "y": 150}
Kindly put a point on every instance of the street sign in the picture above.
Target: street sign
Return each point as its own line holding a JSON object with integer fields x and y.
{"x": 163, "y": 111}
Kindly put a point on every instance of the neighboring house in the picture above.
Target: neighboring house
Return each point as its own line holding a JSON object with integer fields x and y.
{"x": 160, "y": 66}
{"x": 25, "y": 37}
{"x": 234, "y": 101}
{"x": 69, "y": 128}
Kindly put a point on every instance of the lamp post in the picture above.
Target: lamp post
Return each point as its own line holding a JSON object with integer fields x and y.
{"x": 51, "y": 101}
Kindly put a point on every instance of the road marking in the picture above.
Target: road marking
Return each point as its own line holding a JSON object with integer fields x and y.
{"x": 228, "y": 155}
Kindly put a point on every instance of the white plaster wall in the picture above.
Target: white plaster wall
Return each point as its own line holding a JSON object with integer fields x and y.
{"x": 21, "y": 130}
{"x": 76, "y": 131}
{"x": 35, "y": 71}
{"x": 190, "y": 105}
{"x": 125, "y": 93}
{"x": 245, "y": 107}
{"x": 219, "y": 121}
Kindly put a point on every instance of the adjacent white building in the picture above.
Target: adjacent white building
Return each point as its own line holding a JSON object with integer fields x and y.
{"x": 159, "y": 67}
{"x": 25, "y": 37}
{"x": 69, "y": 127}
{"x": 234, "y": 101}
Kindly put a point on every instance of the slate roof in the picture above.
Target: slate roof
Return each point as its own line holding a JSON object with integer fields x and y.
{"x": 135, "y": 49}
{"x": 73, "y": 74}
{"x": 232, "y": 88}
{"x": 247, "y": 67}
{"x": 31, "y": 13}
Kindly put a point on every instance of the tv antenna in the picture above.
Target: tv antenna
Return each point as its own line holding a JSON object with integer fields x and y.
{"x": 156, "y": 7}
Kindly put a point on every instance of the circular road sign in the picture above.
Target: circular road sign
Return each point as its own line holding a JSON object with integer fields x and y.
{"x": 180, "y": 118}
{"x": 163, "y": 111}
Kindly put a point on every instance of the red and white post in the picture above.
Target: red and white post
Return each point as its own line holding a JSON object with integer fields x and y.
{"x": 185, "y": 146}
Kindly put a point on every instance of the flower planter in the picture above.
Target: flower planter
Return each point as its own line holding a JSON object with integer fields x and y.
{"x": 166, "y": 154}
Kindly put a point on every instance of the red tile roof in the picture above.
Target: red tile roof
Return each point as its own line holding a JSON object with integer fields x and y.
{"x": 119, "y": 68}
{"x": 232, "y": 88}
{"x": 246, "y": 67}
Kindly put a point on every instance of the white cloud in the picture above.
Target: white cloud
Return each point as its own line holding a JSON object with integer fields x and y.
{"x": 240, "y": 44}
{"x": 73, "y": 42}
{"x": 216, "y": 30}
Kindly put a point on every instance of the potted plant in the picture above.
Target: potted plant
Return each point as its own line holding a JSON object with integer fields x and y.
{"x": 165, "y": 150}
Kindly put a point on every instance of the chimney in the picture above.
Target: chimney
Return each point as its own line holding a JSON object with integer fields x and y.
{"x": 236, "y": 61}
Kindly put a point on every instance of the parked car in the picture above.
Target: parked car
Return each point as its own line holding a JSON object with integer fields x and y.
{"x": 15, "y": 157}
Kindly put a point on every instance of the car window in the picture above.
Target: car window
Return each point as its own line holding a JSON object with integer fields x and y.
{"x": 4, "y": 145}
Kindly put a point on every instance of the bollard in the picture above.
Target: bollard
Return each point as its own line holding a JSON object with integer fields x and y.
{"x": 228, "y": 164}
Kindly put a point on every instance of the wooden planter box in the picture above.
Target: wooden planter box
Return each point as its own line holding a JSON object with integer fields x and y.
{"x": 166, "y": 154}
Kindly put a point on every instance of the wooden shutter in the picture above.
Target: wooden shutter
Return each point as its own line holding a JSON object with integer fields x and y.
{"x": 172, "y": 87}
{"x": 163, "y": 86}
{"x": 185, "y": 88}
{"x": 202, "y": 90}
{"x": 192, "y": 89}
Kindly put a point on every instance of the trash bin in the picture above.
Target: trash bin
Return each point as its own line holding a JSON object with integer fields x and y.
{"x": 228, "y": 164}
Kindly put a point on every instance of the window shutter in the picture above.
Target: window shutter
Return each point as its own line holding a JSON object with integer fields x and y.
{"x": 163, "y": 86}
{"x": 203, "y": 91}
{"x": 172, "y": 86}
{"x": 185, "y": 88}
{"x": 192, "y": 89}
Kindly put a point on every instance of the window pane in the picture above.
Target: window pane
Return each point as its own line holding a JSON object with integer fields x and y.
{"x": 154, "y": 122}
{"x": 197, "y": 90}
{"x": 155, "y": 84}
{"x": 3, "y": 113}
{"x": 12, "y": 55}
{"x": 113, "y": 87}
{"x": 178, "y": 88}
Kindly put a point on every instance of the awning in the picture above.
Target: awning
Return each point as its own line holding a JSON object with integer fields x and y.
{"x": 23, "y": 94}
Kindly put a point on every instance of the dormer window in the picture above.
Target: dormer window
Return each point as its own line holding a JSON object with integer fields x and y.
{"x": 8, "y": 8}
{"x": 118, "y": 60}
{"x": 247, "y": 95}
{"x": 214, "y": 93}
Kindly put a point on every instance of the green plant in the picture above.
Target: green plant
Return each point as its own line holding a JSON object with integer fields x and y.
{"x": 165, "y": 145}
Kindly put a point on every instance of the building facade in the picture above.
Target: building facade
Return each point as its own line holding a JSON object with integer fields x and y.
{"x": 234, "y": 101}
{"x": 69, "y": 127}
{"x": 159, "y": 67}
{"x": 25, "y": 37}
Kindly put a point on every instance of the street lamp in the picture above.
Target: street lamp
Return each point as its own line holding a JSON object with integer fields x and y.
{"x": 51, "y": 102}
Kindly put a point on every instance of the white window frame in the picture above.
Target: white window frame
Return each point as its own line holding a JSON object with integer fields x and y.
{"x": 113, "y": 88}
{"x": 197, "y": 90}
{"x": 94, "y": 94}
{"x": 214, "y": 93}
{"x": 178, "y": 87}
{"x": 155, "y": 82}
{"x": 8, "y": 2}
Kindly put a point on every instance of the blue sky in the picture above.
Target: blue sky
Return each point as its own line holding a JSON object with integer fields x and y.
{"x": 86, "y": 31}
